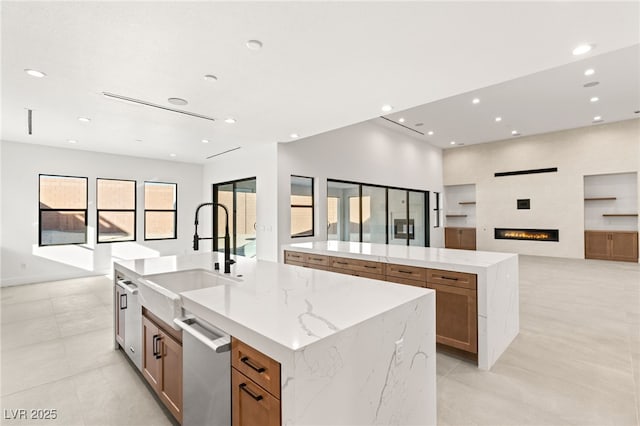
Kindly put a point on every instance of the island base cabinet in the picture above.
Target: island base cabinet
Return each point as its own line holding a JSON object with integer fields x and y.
{"x": 456, "y": 317}
{"x": 611, "y": 245}
{"x": 251, "y": 405}
{"x": 162, "y": 365}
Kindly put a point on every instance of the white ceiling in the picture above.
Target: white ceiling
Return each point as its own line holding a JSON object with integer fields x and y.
{"x": 324, "y": 65}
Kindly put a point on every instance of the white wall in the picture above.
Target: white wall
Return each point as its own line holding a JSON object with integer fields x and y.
{"x": 259, "y": 162}
{"x": 366, "y": 153}
{"x": 24, "y": 262}
{"x": 556, "y": 198}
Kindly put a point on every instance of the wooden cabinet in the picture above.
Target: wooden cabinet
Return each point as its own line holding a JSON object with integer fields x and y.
{"x": 456, "y": 309}
{"x": 611, "y": 245}
{"x": 162, "y": 363}
{"x": 460, "y": 238}
{"x": 255, "y": 387}
{"x": 355, "y": 266}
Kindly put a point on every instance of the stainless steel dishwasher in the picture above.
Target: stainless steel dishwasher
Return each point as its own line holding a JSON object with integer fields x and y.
{"x": 206, "y": 373}
{"x": 130, "y": 305}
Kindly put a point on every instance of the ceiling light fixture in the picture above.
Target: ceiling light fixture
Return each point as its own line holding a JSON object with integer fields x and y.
{"x": 452, "y": 142}
{"x": 430, "y": 132}
{"x": 84, "y": 119}
{"x": 514, "y": 132}
{"x": 205, "y": 141}
{"x": 254, "y": 44}
{"x": 294, "y": 135}
{"x": 594, "y": 99}
{"x": 172, "y": 155}
{"x": 177, "y": 101}
{"x": 35, "y": 73}
{"x": 498, "y": 119}
{"x": 138, "y": 140}
{"x": 590, "y": 71}
{"x": 386, "y": 108}
{"x": 230, "y": 120}
{"x": 582, "y": 49}
{"x": 72, "y": 141}
{"x": 210, "y": 77}
{"x": 597, "y": 118}
{"x": 475, "y": 101}
{"x": 401, "y": 120}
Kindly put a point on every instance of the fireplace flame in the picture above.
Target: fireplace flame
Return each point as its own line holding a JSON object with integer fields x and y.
{"x": 527, "y": 235}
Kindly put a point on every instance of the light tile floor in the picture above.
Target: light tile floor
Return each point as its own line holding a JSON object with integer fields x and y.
{"x": 576, "y": 360}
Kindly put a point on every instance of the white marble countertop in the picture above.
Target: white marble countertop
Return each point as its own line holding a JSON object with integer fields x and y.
{"x": 428, "y": 257}
{"x": 291, "y": 306}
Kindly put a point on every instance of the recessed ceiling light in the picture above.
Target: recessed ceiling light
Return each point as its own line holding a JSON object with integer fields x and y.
{"x": 254, "y": 44}
{"x": 230, "y": 120}
{"x": 401, "y": 120}
{"x": 35, "y": 73}
{"x": 591, "y": 84}
{"x": 590, "y": 71}
{"x": 594, "y": 99}
{"x": 177, "y": 101}
{"x": 138, "y": 140}
{"x": 172, "y": 155}
{"x": 294, "y": 135}
{"x": 514, "y": 132}
{"x": 72, "y": 141}
{"x": 597, "y": 118}
{"x": 419, "y": 124}
{"x": 210, "y": 77}
{"x": 430, "y": 132}
{"x": 498, "y": 119}
{"x": 452, "y": 142}
{"x": 582, "y": 49}
{"x": 386, "y": 108}
{"x": 84, "y": 119}
{"x": 475, "y": 101}
{"x": 205, "y": 141}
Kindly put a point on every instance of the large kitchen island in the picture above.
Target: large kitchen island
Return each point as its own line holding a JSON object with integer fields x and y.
{"x": 348, "y": 350}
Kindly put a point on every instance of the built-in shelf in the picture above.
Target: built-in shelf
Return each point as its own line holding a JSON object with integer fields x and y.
{"x": 599, "y": 198}
{"x": 467, "y": 202}
{"x": 620, "y": 214}
{"x": 456, "y": 215}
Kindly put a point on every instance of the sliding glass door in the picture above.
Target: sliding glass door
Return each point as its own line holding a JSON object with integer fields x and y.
{"x": 240, "y": 199}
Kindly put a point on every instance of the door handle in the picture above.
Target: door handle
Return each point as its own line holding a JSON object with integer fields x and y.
{"x": 123, "y": 297}
{"x": 156, "y": 346}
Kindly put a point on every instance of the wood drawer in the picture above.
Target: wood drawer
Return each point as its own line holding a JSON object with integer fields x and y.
{"x": 294, "y": 258}
{"x": 317, "y": 260}
{"x": 410, "y": 272}
{"x": 257, "y": 366}
{"x": 407, "y": 281}
{"x": 451, "y": 278}
{"x": 252, "y": 405}
{"x": 357, "y": 265}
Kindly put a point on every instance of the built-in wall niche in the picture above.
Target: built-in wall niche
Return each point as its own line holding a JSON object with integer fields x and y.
{"x": 460, "y": 205}
{"x": 611, "y": 202}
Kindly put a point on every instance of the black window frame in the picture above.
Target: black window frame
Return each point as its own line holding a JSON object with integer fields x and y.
{"x": 175, "y": 211}
{"x": 135, "y": 208}
{"x": 312, "y": 207}
{"x": 86, "y": 210}
{"x": 427, "y": 234}
{"x": 233, "y": 211}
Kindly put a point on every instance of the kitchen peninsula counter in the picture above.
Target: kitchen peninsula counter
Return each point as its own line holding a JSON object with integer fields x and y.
{"x": 352, "y": 350}
{"x": 497, "y": 282}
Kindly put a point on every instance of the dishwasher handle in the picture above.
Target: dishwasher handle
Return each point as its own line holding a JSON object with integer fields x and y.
{"x": 128, "y": 285}
{"x": 219, "y": 345}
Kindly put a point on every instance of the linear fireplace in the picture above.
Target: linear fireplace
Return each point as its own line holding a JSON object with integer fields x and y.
{"x": 527, "y": 234}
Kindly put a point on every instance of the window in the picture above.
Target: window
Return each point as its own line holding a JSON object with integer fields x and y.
{"x": 240, "y": 198}
{"x": 160, "y": 215}
{"x": 116, "y": 203}
{"x": 378, "y": 214}
{"x": 301, "y": 206}
{"x": 63, "y": 210}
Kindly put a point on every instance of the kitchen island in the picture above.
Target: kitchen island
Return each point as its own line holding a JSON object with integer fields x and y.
{"x": 351, "y": 350}
{"x": 486, "y": 280}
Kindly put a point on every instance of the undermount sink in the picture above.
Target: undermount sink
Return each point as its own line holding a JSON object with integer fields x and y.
{"x": 160, "y": 293}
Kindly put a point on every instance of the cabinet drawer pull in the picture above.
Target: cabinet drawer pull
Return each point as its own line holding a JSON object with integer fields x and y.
{"x": 404, "y": 272}
{"x": 294, "y": 255}
{"x": 449, "y": 278}
{"x": 370, "y": 267}
{"x": 244, "y": 387}
{"x": 316, "y": 258}
{"x": 245, "y": 360}
{"x": 342, "y": 263}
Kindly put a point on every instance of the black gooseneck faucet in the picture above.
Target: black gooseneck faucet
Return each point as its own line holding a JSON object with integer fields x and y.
{"x": 227, "y": 240}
